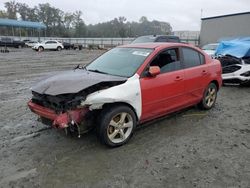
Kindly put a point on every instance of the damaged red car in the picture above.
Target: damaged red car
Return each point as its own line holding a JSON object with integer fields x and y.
{"x": 125, "y": 87}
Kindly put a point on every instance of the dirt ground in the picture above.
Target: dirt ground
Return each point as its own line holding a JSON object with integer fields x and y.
{"x": 192, "y": 148}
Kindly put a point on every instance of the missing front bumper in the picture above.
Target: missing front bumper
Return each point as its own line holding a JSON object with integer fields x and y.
{"x": 74, "y": 117}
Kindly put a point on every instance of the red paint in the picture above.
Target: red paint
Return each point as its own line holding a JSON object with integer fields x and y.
{"x": 172, "y": 91}
{"x": 162, "y": 94}
{"x": 42, "y": 111}
{"x": 59, "y": 120}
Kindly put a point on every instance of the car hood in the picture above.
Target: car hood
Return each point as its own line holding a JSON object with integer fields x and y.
{"x": 72, "y": 81}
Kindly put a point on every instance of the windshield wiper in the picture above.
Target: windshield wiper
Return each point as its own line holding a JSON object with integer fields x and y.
{"x": 98, "y": 71}
{"x": 79, "y": 67}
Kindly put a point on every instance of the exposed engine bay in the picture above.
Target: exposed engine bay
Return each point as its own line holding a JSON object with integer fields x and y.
{"x": 63, "y": 102}
{"x": 58, "y": 99}
{"x": 234, "y": 56}
{"x": 235, "y": 70}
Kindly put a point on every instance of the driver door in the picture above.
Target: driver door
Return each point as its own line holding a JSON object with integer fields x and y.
{"x": 164, "y": 93}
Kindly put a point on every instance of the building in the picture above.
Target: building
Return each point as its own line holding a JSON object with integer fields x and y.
{"x": 214, "y": 29}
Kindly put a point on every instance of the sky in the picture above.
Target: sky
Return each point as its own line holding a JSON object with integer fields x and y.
{"x": 181, "y": 14}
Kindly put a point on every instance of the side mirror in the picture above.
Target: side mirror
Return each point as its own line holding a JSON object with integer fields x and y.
{"x": 154, "y": 71}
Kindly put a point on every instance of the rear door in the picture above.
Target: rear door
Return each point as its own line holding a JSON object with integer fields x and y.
{"x": 50, "y": 45}
{"x": 196, "y": 74}
{"x": 166, "y": 92}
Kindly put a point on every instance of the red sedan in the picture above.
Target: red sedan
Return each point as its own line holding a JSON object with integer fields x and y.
{"x": 126, "y": 86}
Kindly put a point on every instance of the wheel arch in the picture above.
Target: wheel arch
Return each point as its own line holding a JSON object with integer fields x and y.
{"x": 108, "y": 105}
{"x": 216, "y": 83}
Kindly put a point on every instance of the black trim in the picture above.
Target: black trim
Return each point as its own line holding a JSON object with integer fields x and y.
{"x": 144, "y": 72}
{"x": 228, "y": 15}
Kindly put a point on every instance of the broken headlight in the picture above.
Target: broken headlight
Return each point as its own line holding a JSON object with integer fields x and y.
{"x": 246, "y": 74}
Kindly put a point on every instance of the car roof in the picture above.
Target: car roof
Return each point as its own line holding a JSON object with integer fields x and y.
{"x": 50, "y": 40}
{"x": 154, "y": 45}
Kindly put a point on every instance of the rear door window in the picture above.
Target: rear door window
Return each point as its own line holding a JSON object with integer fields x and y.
{"x": 192, "y": 58}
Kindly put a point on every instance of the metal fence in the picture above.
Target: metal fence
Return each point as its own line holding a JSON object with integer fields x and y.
{"x": 98, "y": 42}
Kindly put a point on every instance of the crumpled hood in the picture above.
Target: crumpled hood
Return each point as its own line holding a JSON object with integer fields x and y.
{"x": 72, "y": 81}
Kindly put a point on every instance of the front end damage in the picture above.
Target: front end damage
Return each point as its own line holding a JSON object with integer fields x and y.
{"x": 57, "y": 107}
{"x": 235, "y": 70}
{"x": 234, "y": 56}
{"x": 73, "y": 120}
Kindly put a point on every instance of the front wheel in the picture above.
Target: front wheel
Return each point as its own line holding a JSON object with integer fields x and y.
{"x": 59, "y": 48}
{"x": 209, "y": 97}
{"x": 117, "y": 125}
{"x": 40, "y": 48}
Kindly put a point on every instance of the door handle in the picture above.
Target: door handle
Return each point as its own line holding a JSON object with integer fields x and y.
{"x": 178, "y": 78}
{"x": 204, "y": 72}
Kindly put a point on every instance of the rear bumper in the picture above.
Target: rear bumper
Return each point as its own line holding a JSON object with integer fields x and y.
{"x": 61, "y": 120}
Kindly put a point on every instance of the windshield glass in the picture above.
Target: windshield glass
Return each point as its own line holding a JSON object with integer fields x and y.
{"x": 120, "y": 61}
{"x": 210, "y": 47}
{"x": 144, "y": 39}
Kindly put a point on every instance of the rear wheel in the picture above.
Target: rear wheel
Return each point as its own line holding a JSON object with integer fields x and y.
{"x": 209, "y": 97}
{"x": 116, "y": 126}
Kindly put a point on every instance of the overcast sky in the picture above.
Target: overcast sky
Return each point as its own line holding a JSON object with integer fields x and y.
{"x": 181, "y": 14}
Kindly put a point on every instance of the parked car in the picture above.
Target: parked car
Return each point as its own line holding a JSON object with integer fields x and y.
{"x": 26, "y": 40}
{"x": 235, "y": 70}
{"x": 234, "y": 56}
{"x": 48, "y": 45}
{"x": 127, "y": 86}
{"x": 210, "y": 49}
{"x": 31, "y": 43}
{"x": 69, "y": 46}
{"x": 9, "y": 42}
{"x": 156, "y": 38}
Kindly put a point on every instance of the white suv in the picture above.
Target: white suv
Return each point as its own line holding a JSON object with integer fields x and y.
{"x": 48, "y": 45}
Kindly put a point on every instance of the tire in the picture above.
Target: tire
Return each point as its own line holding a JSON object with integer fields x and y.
{"x": 245, "y": 84}
{"x": 59, "y": 48}
{"x": 40, "y": 48}
{"x": 209, "y": 97}
{"x": 116, "y": 125}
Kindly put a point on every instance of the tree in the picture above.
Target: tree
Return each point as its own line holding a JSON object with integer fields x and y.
{"x": 24, "y": 10}
{"x": 63, "y": 24}
{"x": 11, "y": 9}
{"x": 3, "y": 14}
{"x": 51, "y": 17}
{"x": 143, "y": 19}
{"x": 80, "y": 28}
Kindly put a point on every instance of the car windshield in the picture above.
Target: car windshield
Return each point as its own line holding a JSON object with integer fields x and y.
{"x": 120, "y": 61}
{"x": 144, "y": 39}
{"x": 210, "y": 47}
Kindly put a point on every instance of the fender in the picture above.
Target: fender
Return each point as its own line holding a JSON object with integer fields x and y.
{"x": 128, "y": 92}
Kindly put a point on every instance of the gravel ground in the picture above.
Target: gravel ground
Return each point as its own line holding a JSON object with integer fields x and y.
{"x": 192, "y": 148}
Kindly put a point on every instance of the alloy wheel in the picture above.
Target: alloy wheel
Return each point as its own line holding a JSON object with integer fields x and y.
{"x": 210, "y": 96}
{"x": 120, "y": 127}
